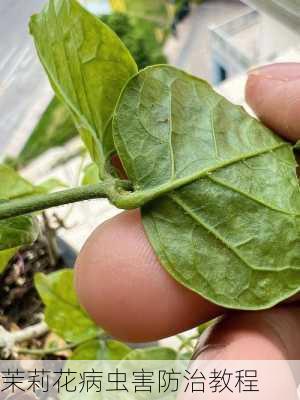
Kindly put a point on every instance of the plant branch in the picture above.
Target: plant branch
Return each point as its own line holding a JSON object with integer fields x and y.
{"x": 53, "y": 350}
{"x": 9, "y": 339}
{"x": 29, "y": 204}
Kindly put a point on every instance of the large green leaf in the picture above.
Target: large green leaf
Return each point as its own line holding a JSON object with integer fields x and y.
{"x": 55, "y": 128}
{"x": 226, "y": 220}
{"x": 87, "y": 65}
{"x": 63, "y": 313}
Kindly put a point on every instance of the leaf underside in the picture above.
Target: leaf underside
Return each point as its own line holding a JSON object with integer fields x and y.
{"x": 229, "y": 226}
{"x": 87, "y": 65}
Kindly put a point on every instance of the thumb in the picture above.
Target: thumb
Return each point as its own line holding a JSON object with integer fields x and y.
{"x": 273, "y": 92}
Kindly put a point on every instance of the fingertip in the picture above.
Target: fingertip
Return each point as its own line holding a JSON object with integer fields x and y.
{"x": 263, "y": 335}
{"x": 126, "y": 291}
{"x": 273, "y": 92}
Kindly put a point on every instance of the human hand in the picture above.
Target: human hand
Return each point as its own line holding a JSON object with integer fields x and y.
{"x": 122, "y": 285}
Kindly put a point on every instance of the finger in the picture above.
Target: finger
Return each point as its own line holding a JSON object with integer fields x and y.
{"x": 124, "y": 288}
{"x": 264, "y": 335}
{"x": 268, "y": 335}
{"x": 273, "y": 92}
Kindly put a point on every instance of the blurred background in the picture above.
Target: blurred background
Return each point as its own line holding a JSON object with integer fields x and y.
{"x": 218, "y": 40}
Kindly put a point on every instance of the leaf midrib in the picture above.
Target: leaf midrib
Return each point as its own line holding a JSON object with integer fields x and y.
{"x": 141, "y": 197}
{"x": 189, "y": 211}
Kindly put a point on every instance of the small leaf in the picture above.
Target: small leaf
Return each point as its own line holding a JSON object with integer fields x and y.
{"x": 15, "y": 232}
{"x": 50, "y": 185}
{"x": 87, "y": 65}
{"x": 63, "y": 313}
{"x": 54, "y": 129}
{"x": 12, "y": 184}
{"x": 6, "y": 256}
{"x": 18, "y": 231}
{"x": 90, "y": 175}
{"x": 151, "y": 353}
{"x": 226, "y": 219}
{"x": 101, "y": 350}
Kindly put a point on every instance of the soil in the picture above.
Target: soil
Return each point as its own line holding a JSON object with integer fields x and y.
{"x": 20, "y": 304}
{"x": 19, "y": 301}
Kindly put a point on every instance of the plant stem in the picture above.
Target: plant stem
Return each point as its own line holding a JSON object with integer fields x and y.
{"x": 26, "y": 205}
{"x": 53, "y": 350}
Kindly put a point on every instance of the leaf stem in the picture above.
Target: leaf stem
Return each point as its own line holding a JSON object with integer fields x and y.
{"x": 29, "y": 204}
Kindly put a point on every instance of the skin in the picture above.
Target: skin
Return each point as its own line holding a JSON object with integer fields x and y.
{"x": 124, "y": 288}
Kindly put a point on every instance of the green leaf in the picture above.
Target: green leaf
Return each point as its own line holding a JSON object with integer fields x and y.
{"x": 63, "y": 313}
{"x": 54, "y": 129}
{"x": 87, "y": 65}
{"x": 226, "y": 219}
{"x": 157, "y": 11}
{"x": 12, "y": 184}
{"x": 90, "y": 175}
{"x": 151, "y": 353}
{"x": 15, "y": 232}
{"x": 50, "y": 185}
{"x": 18, "y": 231}
{"x": 101, "y": 350}
{"x": 139, "y": 36}
{"x": 6, "y": 256}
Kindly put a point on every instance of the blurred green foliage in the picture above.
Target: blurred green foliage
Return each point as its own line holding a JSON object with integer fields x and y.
{"x": 139, "y": 36}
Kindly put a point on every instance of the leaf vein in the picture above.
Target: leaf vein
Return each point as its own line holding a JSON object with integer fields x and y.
{"x": 216, "y": 234}
{"x": 245, "y": 194}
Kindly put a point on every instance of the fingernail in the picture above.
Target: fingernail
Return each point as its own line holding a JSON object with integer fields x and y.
{"x": 284, "y": 72}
